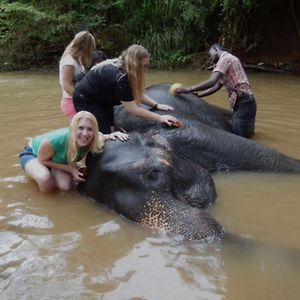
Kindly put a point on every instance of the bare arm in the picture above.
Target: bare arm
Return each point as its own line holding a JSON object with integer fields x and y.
{"x": 150, "y": 102}
{"x": 140, "y": 112}
{"x": 210, "y": 90}
{"x": 204, "y": 85}
{"x": 67, "y": 79}
{"x": 44, "y": 157}
{"x": 137, "y": 111}
{"x": 209, "y": 83}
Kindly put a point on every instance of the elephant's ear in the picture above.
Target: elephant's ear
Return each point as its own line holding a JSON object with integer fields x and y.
{"x": 194, "y": 184}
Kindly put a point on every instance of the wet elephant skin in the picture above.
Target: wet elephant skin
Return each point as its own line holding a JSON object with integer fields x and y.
{"x": 161, "y": 177}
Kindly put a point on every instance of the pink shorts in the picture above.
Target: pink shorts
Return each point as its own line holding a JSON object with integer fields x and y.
{"x": 67, "y": 106}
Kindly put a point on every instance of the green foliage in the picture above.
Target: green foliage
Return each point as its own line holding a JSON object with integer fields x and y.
{"x": 35, "y": 32}
{"x": 172, "y": 59}
{"x": 29, "y": 35}
{"x": 166, "y": 26}
{"x": 36, "y": 35}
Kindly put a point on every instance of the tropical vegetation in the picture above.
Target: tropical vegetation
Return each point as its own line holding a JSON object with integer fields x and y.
{"x": 35, "y": 32}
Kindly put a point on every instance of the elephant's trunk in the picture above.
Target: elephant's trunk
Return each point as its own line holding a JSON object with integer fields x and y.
{"x": 166, "y": 213}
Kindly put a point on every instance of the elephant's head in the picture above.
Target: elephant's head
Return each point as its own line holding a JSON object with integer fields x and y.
{"x": 144, "y": 181}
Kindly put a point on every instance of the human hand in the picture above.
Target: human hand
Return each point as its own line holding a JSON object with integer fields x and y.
{"x": 173, "y": 88}
{"x": 182, "y": 91}
{"x": 78, "y": 175}
{"x": 119, "y": 135}
{"x": 164, "y": 107}
{"x": 169, "y": 120}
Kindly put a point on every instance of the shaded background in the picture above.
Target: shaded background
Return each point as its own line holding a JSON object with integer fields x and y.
{"x": 34, "y": 33}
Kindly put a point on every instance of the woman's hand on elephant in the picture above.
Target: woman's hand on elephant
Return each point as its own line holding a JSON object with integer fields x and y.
{"x": 164, "y": 107}
{"x": 169, "y": 120}
{"x": 119, "y": 135}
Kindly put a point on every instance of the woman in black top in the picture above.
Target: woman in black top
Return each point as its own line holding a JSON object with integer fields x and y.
{"x": 119, "y": 81}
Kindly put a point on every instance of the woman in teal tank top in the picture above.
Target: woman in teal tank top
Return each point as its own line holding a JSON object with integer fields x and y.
{"x": 51, "y": 159}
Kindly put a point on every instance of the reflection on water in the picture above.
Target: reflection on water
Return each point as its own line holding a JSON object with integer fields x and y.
{"x": 65, "y": 246}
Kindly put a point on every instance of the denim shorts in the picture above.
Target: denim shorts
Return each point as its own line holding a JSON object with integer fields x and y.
{"x": 26, "y": 155}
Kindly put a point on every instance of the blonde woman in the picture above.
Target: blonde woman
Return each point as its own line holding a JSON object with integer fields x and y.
{"x": 72, "y": 67}
{"x": 50, "y": 159}
{"x": 119, "y": 81}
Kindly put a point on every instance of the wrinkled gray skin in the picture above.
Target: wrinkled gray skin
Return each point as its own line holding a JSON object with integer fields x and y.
{"x": 161, "y": 178}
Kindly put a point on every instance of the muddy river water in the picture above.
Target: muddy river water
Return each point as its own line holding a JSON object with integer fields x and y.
{"x": 65, "y": 246}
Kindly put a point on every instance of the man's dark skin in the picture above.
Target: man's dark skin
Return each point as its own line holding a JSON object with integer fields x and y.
{"x": 210, "y": 85}
{"x": 230, "y": 73}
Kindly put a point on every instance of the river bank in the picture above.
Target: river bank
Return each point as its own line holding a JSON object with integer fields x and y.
{"x": 261, "y": 63}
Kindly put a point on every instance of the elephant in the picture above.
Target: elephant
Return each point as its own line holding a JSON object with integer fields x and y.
{"x": 161, "y": 177}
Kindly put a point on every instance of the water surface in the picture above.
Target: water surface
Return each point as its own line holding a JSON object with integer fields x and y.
{"x": 64, "y": 246}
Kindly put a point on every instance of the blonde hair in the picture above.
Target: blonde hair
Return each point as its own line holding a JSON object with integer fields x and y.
{"x": 96, "y": 146}
{"x": 131, "y": 60}
{"x": 81, "y": 47}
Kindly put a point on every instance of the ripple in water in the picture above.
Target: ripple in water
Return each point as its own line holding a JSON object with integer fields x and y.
{"x": 25, "y": 220}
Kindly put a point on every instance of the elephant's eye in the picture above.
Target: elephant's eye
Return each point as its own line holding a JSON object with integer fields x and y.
{"x": 154, "y": 175}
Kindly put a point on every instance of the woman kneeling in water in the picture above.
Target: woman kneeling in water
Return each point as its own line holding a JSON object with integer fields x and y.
{"x": 50, "y": 159}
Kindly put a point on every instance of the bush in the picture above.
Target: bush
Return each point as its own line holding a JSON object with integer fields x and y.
{"x": 29, "y": 36}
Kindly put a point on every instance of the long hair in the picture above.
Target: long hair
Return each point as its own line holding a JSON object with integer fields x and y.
{"x": 81, "y": 47}
{"x": 96, "y": 146}
{"x": 131, "y": 60}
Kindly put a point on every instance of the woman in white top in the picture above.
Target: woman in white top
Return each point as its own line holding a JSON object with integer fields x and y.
{"x": 76, "y": 57}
